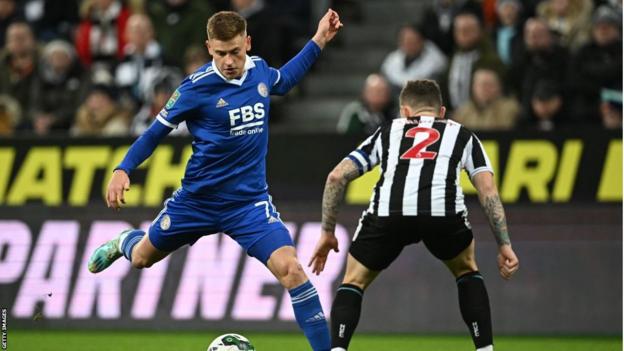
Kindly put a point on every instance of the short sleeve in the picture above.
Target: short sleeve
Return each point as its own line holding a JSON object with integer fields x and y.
{"x": 179, "y": 105}
{"x": 366, "y": 156}
{"x": 474, "y": 158}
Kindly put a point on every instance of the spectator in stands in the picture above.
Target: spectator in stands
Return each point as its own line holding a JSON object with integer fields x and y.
{"x": 547, "y": 107}
{"x": 438, "y": 20}
{"x": 195, "y": 57}
{"x": 9, "y": 13}
{"x": 18, "y": 69}
{"x": 473, "y": 50}
{"x": 179, "y": 19}
{"x": 488, "y": 109}
{"x": 60, "y": 90}
{"x": 611, "y": 109}
{"x": 100, "y": 115}
{"x": 540, "y": 58}
{"x": 415, "y": 58}
{"x": 9, "y": 114}
{"x": 162, "y": 86}
{"x": 265, "y": 35}
{"x": 52, "y": 19}
{"x": 596, "y": 65}
{"x": 615, "y": 5}
{"x": 141, "y": 54}
{"x": 569, "y": 19}
{"x": 375, "y": 106}
{"x": 100, "y": 37}
{"x": 508, "y": 33}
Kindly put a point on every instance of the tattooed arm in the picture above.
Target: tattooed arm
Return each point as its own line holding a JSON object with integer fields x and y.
{"x": 493, "y": 208}
{"x": 335, "y": 186}
{"x": 333, "y": 194}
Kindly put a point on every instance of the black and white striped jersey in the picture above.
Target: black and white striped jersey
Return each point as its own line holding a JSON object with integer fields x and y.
{"x": 421, "y": 159}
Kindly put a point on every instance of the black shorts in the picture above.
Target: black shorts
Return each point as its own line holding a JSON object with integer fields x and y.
{"x": 378, "y": 241}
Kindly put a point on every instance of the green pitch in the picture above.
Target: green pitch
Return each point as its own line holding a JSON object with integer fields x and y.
{"x": 194, "y": 341}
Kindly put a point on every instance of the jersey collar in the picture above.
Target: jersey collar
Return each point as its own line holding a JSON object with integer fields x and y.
{"x": 249, "y": 64}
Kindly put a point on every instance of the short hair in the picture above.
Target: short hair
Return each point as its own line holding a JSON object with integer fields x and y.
{"x": 421, "y": 93}
{"x": 414, "y": 27}
{"x": 225, "y": 25}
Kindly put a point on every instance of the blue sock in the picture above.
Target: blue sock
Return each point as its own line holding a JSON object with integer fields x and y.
{"x": 127, "y": 243}
{"x": 309, "y": 315}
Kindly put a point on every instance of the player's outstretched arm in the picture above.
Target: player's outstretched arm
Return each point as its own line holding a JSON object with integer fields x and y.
{"x": 492, "y": 206}
{"x": 140, "y": 150}
{"x": 337, "y": 182}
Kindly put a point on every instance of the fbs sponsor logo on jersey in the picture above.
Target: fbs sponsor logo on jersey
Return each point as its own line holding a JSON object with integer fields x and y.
{"x": 247, "y": 120}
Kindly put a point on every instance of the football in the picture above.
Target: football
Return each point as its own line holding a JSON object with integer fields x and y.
{"x": 231, "y": 342}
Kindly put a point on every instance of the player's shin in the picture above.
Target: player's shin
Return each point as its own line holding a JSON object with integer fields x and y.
{"x": 309, "y": 315}
{"x": 345, "y": 315}
{"x": 128, "y": 240}
{"x": 475, "y": 309}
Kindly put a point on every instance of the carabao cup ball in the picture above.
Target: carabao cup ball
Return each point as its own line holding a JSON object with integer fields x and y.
{"x": 231, "y": 342}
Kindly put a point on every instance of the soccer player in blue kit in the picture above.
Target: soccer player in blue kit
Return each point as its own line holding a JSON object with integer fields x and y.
{"x": 225, "y": 105}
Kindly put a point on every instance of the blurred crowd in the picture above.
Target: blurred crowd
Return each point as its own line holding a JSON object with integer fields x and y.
{"x": 506, "y": 64}
{"x": 106, "y": 67}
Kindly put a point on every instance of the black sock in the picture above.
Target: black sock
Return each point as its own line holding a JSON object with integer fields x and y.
{"x": 475, "y": 308}
{"x": 345, "y": 314}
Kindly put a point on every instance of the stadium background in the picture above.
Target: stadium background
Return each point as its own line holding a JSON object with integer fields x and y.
{"x": 562, "y": 189}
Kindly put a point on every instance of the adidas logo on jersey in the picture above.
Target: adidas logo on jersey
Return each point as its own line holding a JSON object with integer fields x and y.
{"x": 221, "y": 103}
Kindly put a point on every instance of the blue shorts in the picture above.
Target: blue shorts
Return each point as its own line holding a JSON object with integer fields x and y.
{"x": 255, "y": 224}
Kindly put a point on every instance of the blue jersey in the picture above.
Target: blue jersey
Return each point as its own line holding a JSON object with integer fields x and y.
{"x": 228, "y": 120}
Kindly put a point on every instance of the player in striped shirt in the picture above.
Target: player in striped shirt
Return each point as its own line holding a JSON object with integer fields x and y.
{"x": 418, "y": 198}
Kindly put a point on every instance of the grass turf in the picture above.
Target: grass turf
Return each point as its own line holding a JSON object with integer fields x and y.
{"x": 23, "y": 340}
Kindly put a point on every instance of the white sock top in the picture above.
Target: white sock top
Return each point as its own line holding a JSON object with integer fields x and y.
{"x": 487, "y": 348}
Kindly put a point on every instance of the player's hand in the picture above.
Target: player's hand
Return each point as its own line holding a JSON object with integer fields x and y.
{"x": 328, "y": 26}
{"x": 508, "y": 263}
{"x": 326, "y": 243}
{"x": 119, "y": 183}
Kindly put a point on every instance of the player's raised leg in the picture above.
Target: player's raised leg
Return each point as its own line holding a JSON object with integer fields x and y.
{"x": 474, "y": 303}
{"x": 178, "y": 224}
{"x": 345, "y": 313}
{"x": 283, "y": 263}
{"x": 133, "y": 244}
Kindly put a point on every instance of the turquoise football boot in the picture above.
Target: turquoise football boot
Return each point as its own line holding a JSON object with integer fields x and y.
{"x": 106, "y": 254}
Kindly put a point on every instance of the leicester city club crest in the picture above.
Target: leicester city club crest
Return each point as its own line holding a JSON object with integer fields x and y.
{"x": 263, "y": 90}
{"x": 165, "y": 222}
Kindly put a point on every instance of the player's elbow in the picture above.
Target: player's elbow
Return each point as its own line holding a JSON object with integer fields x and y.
{"x": 335, "y": 177}
{"x": 487, "y": 189}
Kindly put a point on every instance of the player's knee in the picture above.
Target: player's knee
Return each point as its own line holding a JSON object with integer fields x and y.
{"x": 462, "y": 267}
{"x": 360, "y": 282}
{"x": 292, "y": 274}
{"x": 294, "y": 270}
